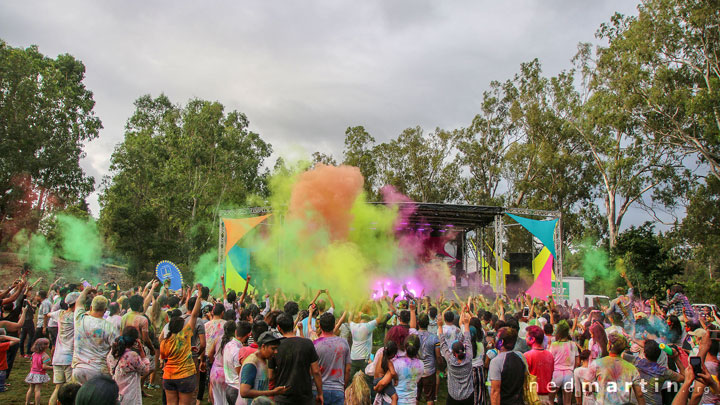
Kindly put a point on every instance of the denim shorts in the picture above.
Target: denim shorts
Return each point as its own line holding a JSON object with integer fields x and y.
{"x": 184, "y": 385}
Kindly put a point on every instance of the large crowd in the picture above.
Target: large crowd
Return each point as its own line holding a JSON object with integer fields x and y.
{"x": 106, "y": 344}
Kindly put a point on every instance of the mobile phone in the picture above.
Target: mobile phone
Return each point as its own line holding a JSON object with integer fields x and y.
{"x": 696, "y": 364}
{"x": 715, "y": 334}
{"x": 526, "y": 312}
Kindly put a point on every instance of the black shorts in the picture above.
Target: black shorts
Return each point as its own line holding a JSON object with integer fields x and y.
{"x": 52, "y": 335}
{"x": 185, "y": 385}
{"x": 427, "y": 389}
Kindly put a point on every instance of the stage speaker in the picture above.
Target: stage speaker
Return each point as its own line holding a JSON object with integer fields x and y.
{"x": 519, "y": 261}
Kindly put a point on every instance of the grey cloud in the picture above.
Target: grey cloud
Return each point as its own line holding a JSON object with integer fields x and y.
{"x": 304, "y": 71}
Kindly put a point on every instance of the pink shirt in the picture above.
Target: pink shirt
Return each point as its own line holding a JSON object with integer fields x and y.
{"x": 38, "y": 359}
{"x": 541, "y": 364}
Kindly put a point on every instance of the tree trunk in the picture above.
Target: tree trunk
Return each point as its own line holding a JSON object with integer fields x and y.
{"x": 612, "y": 223}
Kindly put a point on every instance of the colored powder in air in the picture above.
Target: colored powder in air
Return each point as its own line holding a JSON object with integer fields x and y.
{"x": 79, "y": 240}
{"x": 372, "y": 232}
{"x": 435, "y": 276}
{"x": 207, "y": 271}
{"x": 35, "y": 250}
{"x": 596, "y": 266}
{"x": 323, "y": 197}
{"x": 331, "y": 238}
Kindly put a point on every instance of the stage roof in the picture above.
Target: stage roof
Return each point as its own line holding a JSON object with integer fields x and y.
{"x": 456, "y": 215}
{"x": 432, "y": 215}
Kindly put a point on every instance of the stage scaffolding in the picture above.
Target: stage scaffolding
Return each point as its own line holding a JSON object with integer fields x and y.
{"x": 466, "y": 219}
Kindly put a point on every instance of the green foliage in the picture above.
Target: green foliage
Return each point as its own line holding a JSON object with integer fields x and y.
{"x": 420, "y": 165}
{"x": 700, "y": 229}
{"x": 358, "y": 152}
{"x": 649, "y": 263}
{"x": 668, "y": 56}
{"x": 47, "y": 116}
{"x": 177, "y": 167}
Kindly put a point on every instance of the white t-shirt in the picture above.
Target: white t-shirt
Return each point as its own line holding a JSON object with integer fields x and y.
{"x": 65, "y": 342}
{"x": 117, "y": 321}
{"x": 231, "y": 360}
{"x": 93, "y": 338}
{"x": 361, "y": 339}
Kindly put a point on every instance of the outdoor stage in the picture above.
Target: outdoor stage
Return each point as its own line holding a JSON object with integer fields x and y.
{"x": 477, "y": 248}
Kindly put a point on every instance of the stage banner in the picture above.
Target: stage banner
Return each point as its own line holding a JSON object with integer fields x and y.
{"x": 237, "y": 258}
{"x": 545, "y": 232}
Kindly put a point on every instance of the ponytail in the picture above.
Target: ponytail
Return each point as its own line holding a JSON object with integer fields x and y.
{"x": 124, "y": 342}
{"x": 412, "y": 346}
{"x": 228, "y": 334}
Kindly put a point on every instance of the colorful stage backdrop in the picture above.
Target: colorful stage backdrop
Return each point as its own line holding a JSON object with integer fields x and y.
{"x": 237, "y": 258}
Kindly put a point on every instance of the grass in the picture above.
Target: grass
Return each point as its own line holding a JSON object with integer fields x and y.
{"x": 18, "y": 388}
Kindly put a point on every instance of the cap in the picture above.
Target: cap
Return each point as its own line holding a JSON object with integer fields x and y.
{"x": 698, "y": 333}
{"x": 72, "y": 297}
{"x": 268, "y": 337}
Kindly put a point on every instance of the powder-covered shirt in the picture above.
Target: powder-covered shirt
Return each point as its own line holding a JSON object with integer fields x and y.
{"x": 409, "y": 372}
{"x": 246, "y": 351}
{"x": 253, "y": 373}
{"x": 231, "y": 361}
{"x": 564, "y": 354}
{"x": 127, "y": 372}
{"x": 177, "y": 350}
{"x": 428, "y": 343}
{"x": 93, "y": 338}
{"x": 582, "y": 376}
{"x": 55, "y": 307}
{"x": 334, "y": 355}
{"x": 136, "y": 319}
{"x": 213, "y": 333}
{"x": 117, "y": 321}
{"x": 541, "y": 364}
{"x": 613, "y": 375}
{"x": 654, "y": 375}
{"x": 65, "y": 342}
{"x": 361, "y": 339}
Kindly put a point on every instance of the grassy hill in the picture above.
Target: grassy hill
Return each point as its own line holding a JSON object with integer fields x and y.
{"x": 11, "y": 267}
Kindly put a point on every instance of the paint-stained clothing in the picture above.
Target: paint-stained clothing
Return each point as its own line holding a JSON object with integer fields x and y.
{"x": 615, "y": 378}
{"x": 213, "y": 332}
{"x": 254, "y": 373}
{"x": 362, "y": 339}
{"x": 136, "y": 319}
{"x": 334, "y": 355}
{"x": 409, "y": 372}
{"x": 65, "y": 342}
{"x": 93, "y": 338}
{"x": 127, "y": 372}
{"x": 541, "y": 364}
{"x": 177, "y": 350}
{"x": 654, "y": 375}
{"x": 564, "y": 354}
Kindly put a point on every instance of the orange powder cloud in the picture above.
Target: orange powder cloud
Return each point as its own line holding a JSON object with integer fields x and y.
{"x": 323, "y": 197}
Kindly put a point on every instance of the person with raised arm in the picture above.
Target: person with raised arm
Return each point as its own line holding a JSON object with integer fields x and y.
{"x": 93, "y": 337}
{"x": 179, "y": 380}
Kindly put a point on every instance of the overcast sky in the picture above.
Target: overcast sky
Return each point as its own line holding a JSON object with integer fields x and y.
{"x": 303, "y": 71}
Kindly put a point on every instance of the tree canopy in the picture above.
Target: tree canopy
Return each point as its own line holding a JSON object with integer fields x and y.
{"x": 47, "y": 117}
{"x": 178, "y": 166}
